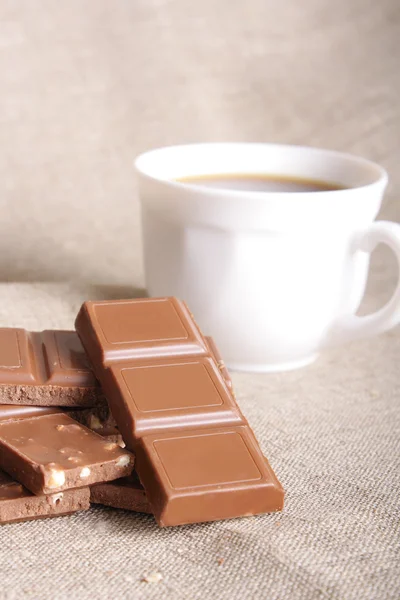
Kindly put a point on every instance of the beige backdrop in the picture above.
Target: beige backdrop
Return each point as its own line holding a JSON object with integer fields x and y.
{"x": 84, "y": 86}
{"x": 88, "y": 84}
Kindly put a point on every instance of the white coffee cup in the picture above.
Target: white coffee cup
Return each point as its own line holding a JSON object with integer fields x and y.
{"x": 274, "y": 277}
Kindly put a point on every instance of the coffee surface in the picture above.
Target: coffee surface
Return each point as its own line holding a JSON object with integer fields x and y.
{"x": 260, "y": 182}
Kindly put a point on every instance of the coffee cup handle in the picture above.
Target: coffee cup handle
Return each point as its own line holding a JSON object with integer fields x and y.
{"x": 350, "y": 326}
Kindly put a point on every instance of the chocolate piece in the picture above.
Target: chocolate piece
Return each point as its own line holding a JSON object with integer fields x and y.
{"x": 52, "y": 453}
{"x": 220, "y": 363}
{"x": 98, "y": 419}
{"x": 47, "y": 368}
{"x": 156, "y": 327}
{"x": 18, "y": 504}
{"x": 17, "y": 411}
{"x": 148, "y": 396}
{"x": 126, "y": 493}
{"x": 214, "y": 474}
{"x": 196, "y": 456}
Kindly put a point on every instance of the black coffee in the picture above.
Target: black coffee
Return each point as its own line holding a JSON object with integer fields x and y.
{"x": 259, "y": 182}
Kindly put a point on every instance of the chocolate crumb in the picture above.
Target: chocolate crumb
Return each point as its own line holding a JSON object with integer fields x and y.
{"x": 153, "y": 577}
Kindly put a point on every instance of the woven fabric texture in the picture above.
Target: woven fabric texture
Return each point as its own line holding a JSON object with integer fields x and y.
{"x": 330, "y": 431}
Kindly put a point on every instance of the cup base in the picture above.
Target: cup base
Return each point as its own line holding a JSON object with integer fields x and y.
{"x": 273, "y": 368}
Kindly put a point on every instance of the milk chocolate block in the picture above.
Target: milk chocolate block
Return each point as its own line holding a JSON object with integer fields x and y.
{"x": 126, "y": 493}
{"x": 194, "y": 476}
{"x": 148, "y": 396}
{"x": 18, "y": 504}
{"x": 52, "y": 453}
{"x": 17, "y": 411}
{"x": 47, "y": 368}
{"x": 196, "y": 456}
{"x": 98, "y": 419}
{"x": 122, "y": 330}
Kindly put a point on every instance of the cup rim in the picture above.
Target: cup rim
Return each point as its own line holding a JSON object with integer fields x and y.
{"x": 381, "y": 175}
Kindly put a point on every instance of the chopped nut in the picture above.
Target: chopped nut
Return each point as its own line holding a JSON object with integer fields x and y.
{"x": 110, "y": 446}
{"x": 153, "y": 577}
{"x": 56, "y": 498}
{"x": 220, "y": 561}
{"x": 73, "y": 459}
{"x": 94, "y": 422}
{"x": 84, "y": 473}
{"x": 123, "y": 460}
{"x": 59, "y": 427}
{"x": 56, "y": 478}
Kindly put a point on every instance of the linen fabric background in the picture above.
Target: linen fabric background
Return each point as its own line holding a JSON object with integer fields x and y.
{"x": 84, "y": 87}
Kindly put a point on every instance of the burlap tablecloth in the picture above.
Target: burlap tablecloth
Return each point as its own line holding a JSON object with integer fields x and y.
{"x": 331, "y": 432}
{"x": 84, "y": 86}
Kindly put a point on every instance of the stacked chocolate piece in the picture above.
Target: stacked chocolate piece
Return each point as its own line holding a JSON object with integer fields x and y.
{"x": 173, "y": 419}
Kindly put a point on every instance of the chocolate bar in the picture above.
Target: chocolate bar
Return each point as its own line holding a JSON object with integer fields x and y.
{"x": 52, "y": 453}
{"x": 18, "y": 504}
{"x": 126, "y": 493}
{"x": 196, "y": 456}
{"x": 47, "y": 368}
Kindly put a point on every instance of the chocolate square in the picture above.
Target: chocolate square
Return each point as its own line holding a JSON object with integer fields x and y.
{"x": 168, "y": 394}
{"x": 122, "y": 330}
{"x": 214, "y": 474}
{"x": 65, "y": 360}
{"x": 17, "y": 364}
